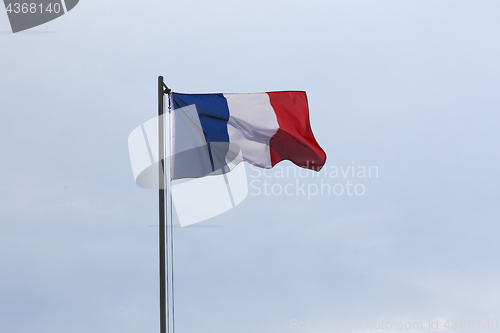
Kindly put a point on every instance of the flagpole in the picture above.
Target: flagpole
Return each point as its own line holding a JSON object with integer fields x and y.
{"x": 170, "y": 266}
{"x": 161, "y": 177}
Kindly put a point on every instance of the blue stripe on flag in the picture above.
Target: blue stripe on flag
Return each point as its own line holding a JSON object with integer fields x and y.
{"x": 212, "y": 110}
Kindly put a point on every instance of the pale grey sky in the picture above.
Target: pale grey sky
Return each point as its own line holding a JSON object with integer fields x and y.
{"x": 408, "y": 86}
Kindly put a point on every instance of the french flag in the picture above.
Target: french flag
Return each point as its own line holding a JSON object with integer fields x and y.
{"x": 213, "y": 132}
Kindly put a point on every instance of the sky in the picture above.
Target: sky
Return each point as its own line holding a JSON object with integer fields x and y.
{"x": 409, "y": 88}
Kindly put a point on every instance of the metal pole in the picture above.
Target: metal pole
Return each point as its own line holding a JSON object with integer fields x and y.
{"x": 170, "y": 258}
{"x": 161, "y": 177}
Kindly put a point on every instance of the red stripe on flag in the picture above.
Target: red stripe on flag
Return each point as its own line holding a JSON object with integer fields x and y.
{"x": 294, "y": 141}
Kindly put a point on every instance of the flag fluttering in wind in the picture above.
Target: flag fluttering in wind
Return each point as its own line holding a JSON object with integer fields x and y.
{"x": 212, "y": 133}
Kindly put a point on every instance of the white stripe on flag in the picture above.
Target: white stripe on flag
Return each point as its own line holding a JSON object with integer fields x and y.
{"x": 252, "y": 123}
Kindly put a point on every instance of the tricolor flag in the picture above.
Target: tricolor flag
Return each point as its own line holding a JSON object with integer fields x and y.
{"x": 212, "y": 133}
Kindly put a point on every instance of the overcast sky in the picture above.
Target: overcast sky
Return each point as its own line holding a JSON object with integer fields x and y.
{"x": 410, "y": 87}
